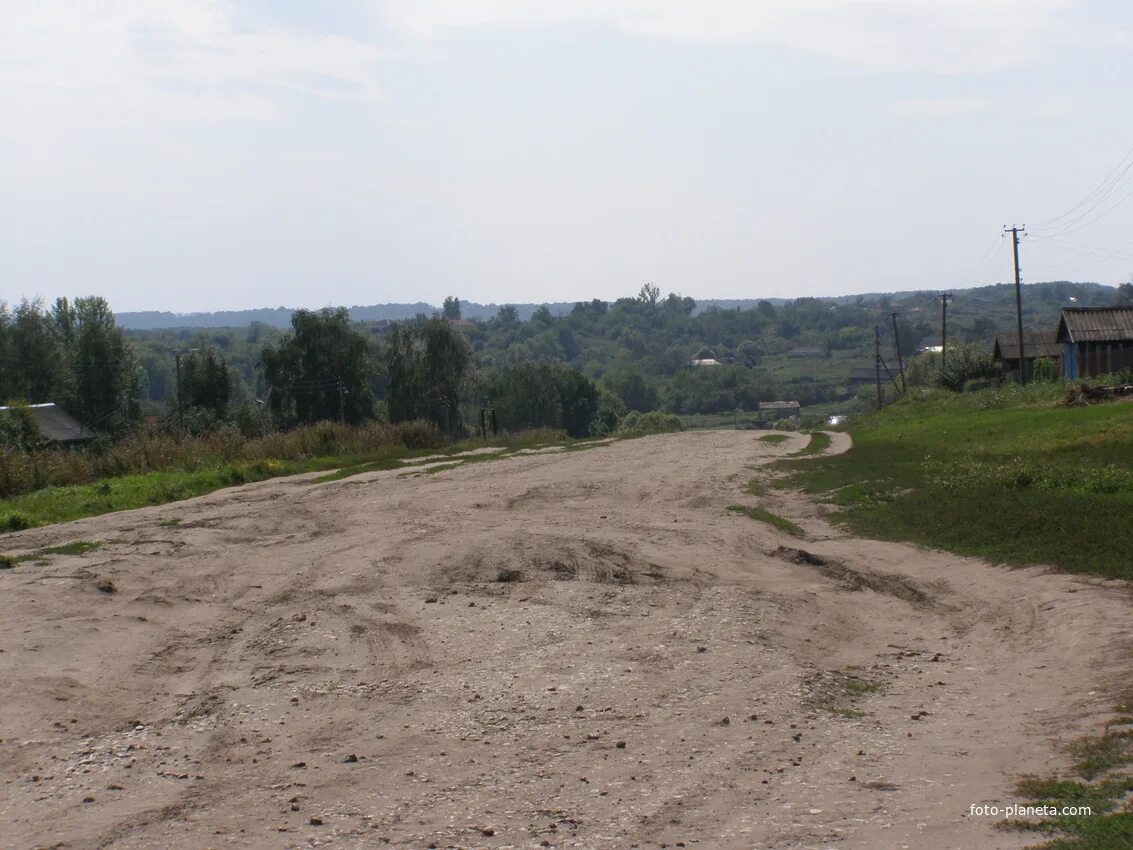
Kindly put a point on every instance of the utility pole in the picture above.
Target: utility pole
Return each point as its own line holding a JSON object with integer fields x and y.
{"x": 341, "y": 404}
{"x": 897, "y": 344}
{"x": 945, "y": 297}
{"x": 877, "y": 362}
{"x": 1015, "y": 231}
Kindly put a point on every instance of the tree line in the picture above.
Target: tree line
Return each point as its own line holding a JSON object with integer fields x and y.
{"x": 324, "y": 368}
{"x": 583, "y": 371}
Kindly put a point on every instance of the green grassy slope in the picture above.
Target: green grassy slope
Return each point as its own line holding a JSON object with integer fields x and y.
{"x": 1008, "y": 475}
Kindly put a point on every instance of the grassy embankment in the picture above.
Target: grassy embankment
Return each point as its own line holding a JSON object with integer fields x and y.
{"x": 155, "y": 471}
{"x": 205, "y": 468}
{"x": 1007, "y": 474}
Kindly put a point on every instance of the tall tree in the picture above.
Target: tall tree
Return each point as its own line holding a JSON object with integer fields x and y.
{"x": 427, "y": 363}
{"x": 38, "y": 372}
{"x": 7, "y": 359}
{"x": 507, "y": 316}
{"x": 107, "y": 379}
{"x": 319, "y": 370}
{"x": 206, "y": 382}
{"x": 451, "y": 307}
{"x": 649, "y": 294}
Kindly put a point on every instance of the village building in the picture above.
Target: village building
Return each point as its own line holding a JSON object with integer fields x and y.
{"x": 779, "y": 409}
{"x": 56, "y": 425}
{"x": 1036, "y": 345}
{"x": 1095, "y": 340}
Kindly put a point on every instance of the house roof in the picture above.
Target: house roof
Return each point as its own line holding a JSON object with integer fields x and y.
{"x": 1095, "y": 324}
{"x": 57, "y": 424}
{"x": 1035, "y": 344}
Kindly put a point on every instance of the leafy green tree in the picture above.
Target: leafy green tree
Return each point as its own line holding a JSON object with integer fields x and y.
{"x": 206, "y": 383}
{"x": 649, "y": 295}
{"x": 107, "y": 377}
{"x": 427, "y": 363}
{"x": 749, "y": 353}
{"x": 527, "y": 396}
{"x": 507, "y": 316}
{"x": 7, "y": 360}
{"x": 451, "y": 308}
{"x": 578, "y": 398}
{"x": 19, "y": 429}
{"x": 631, "y": 387}
{"x": 36, "y": 366}
{"x": 319, "y": 370}
{"x": 546, "y": 395}
{"x": 1125, "y": 294}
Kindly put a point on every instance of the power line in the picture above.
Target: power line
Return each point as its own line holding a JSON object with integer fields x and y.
{"x": 1087, "y": 220}
{"x": 973, "y": 274}
{"x": 1112, "y": 184}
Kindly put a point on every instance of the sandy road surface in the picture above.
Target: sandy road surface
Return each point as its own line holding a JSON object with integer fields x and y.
{"x": 569, "y": 650}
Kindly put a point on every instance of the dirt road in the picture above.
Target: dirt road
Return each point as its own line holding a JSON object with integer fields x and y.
{"x": 578, "y": 649}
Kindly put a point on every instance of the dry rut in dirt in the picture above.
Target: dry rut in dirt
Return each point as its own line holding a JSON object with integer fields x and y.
{"x": 579, "y": 649}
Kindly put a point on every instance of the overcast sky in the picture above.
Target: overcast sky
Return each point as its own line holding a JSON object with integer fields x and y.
{"x": 202, "y": 155}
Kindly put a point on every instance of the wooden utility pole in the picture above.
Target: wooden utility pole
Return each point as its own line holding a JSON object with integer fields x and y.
{"x": 341, "y": 403}
{"x": 945, "y": 297}
{"x": 1015, "y": 231}
{"x": 897, "y": 345}
{"x": 877, "y": 362}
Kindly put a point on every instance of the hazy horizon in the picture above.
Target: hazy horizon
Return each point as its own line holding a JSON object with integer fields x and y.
{"x": 199, "y": 155}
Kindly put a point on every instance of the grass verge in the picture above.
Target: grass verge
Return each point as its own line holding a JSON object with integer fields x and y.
{"x": 1101, "y": 781}
{"x": 819, "y": 443}
{"x": 63, "y": 504}
{"x": 774, "y": 439}
{"x": 1005, "y": 475}
{"x": 761, "y": 515}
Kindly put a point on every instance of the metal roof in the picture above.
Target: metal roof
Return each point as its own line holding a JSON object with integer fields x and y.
{"x": 57, "y": 424}
{"x": 1096, "y": 324}
{"x": 1035, "y": 344}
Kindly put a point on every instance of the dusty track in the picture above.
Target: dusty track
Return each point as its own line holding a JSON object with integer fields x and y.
{"x": 572, "y": 650}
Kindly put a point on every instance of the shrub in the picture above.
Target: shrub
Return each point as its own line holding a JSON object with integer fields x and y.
{"x": 1045, "y": 370}
{"x": 14, "y": 521}
{"x": 226, "y": 446}
{"x": 649, "y": 423}
{"x": 420, "y": 434}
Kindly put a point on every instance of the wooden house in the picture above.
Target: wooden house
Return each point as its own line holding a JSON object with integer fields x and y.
{"x": 56, "y": 425}
{"x": 1095, "y": 340}
{"x": 1036, "y": 345}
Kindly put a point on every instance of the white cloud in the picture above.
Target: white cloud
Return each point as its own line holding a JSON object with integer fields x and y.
{"x": 71, "y": 63}
{"x": 949, "y": 36}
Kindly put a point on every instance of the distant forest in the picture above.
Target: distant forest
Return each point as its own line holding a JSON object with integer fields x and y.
{"x": 280, "y": 317}
{"x": 639, "y": 349}
{"x": 583, "y": 367}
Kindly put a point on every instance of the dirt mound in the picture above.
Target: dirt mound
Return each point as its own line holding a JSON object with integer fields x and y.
{"x": 856, "y": 579}
{"x": 547, "y": 558}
